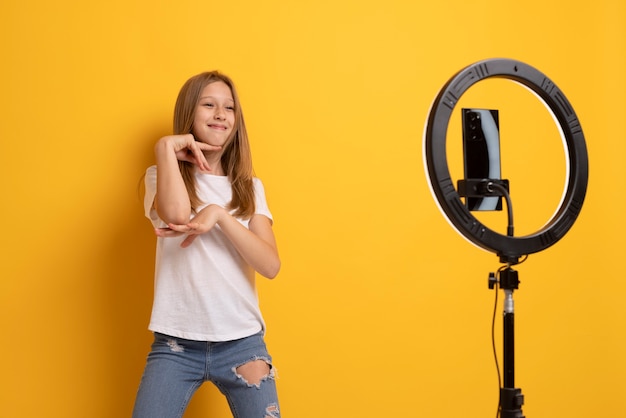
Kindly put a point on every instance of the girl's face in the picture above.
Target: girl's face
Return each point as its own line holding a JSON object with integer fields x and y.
{"x": 215, "y": 114}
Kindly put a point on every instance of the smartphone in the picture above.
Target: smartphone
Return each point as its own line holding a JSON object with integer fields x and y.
{"x": 481, "y": 153}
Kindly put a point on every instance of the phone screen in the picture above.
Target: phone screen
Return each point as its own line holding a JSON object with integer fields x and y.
{"x": 481, "y": 152}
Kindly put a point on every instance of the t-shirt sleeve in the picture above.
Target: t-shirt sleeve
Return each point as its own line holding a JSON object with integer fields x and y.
{"x": 261, "y": 205}
{"x": 148, "y": 199}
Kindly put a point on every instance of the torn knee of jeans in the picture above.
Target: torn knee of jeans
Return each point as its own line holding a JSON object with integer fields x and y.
{"x": 255, "y": 371}
{"x": 272, "y": 411}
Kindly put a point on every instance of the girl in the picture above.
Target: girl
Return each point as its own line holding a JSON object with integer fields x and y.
{"x": 214, "y": 231}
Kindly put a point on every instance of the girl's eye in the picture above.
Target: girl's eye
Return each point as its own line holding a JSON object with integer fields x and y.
{"x": 208, "y": 104}
{"x": 230, "y": 107}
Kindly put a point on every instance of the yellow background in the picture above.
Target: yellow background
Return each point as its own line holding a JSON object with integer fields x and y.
{"x": 381, "y": 308}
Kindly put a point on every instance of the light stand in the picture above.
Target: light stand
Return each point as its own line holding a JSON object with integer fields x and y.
{"x": 508, "y": 247}
{"x": 511, "y": 398}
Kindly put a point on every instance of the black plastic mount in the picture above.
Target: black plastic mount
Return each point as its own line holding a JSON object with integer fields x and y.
{"x": 481, "y": 187}
{"x": 511, "y": 401}
{"x": 509, "y": 279}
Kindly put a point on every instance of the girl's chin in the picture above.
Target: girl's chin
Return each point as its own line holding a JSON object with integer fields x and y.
{"x": 213, "y": 142}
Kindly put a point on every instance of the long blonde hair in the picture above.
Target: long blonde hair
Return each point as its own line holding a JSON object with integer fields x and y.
{"x": 236, "y": 158}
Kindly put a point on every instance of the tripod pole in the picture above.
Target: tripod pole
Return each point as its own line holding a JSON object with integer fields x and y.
{"x": 511, "y": 398}
{"x": 508, "y": 351}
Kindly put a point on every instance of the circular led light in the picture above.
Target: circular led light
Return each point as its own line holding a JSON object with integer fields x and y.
{"x": 507, "y": 247}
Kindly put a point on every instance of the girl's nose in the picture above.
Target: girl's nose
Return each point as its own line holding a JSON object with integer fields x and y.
{"x": 219, "y": 113}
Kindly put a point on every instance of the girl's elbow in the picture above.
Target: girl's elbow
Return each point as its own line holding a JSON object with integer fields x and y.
{"x": 175, "y": 216}
{"x": 177, "y": 220}
{"x": 271, "y": 271}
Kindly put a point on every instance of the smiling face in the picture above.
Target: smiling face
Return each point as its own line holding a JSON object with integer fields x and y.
{"x": 214, "y": 116}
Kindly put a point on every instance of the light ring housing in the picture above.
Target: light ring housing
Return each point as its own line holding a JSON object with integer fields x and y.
{"x": 438, "y": 174}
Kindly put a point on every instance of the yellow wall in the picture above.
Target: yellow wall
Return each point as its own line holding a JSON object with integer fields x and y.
{"x": 381, "y": 308}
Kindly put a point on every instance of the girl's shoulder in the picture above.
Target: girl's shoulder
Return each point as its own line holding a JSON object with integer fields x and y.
{"x": 257, "y": 183}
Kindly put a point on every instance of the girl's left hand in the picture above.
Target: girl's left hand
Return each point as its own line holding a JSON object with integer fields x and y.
{"x": 203, "y": 222}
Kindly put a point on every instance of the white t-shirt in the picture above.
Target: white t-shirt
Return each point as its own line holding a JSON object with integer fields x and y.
{"x": 205, "y": 292}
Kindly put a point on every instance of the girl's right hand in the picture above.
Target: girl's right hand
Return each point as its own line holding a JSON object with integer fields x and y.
{"x": 186, "y": 148}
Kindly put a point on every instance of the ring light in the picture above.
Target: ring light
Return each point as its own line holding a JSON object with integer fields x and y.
{"x": 509, "y": 248}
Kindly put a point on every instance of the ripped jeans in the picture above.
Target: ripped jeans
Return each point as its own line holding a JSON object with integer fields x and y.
{"x": 177, "y": 367}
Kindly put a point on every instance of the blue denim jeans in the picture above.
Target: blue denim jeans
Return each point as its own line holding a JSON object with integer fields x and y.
{"x": 177, "y": 367}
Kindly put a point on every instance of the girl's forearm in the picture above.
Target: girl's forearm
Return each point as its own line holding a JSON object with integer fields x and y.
{"x": 256, "y": 245}
{"x": 172, "y": 200}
